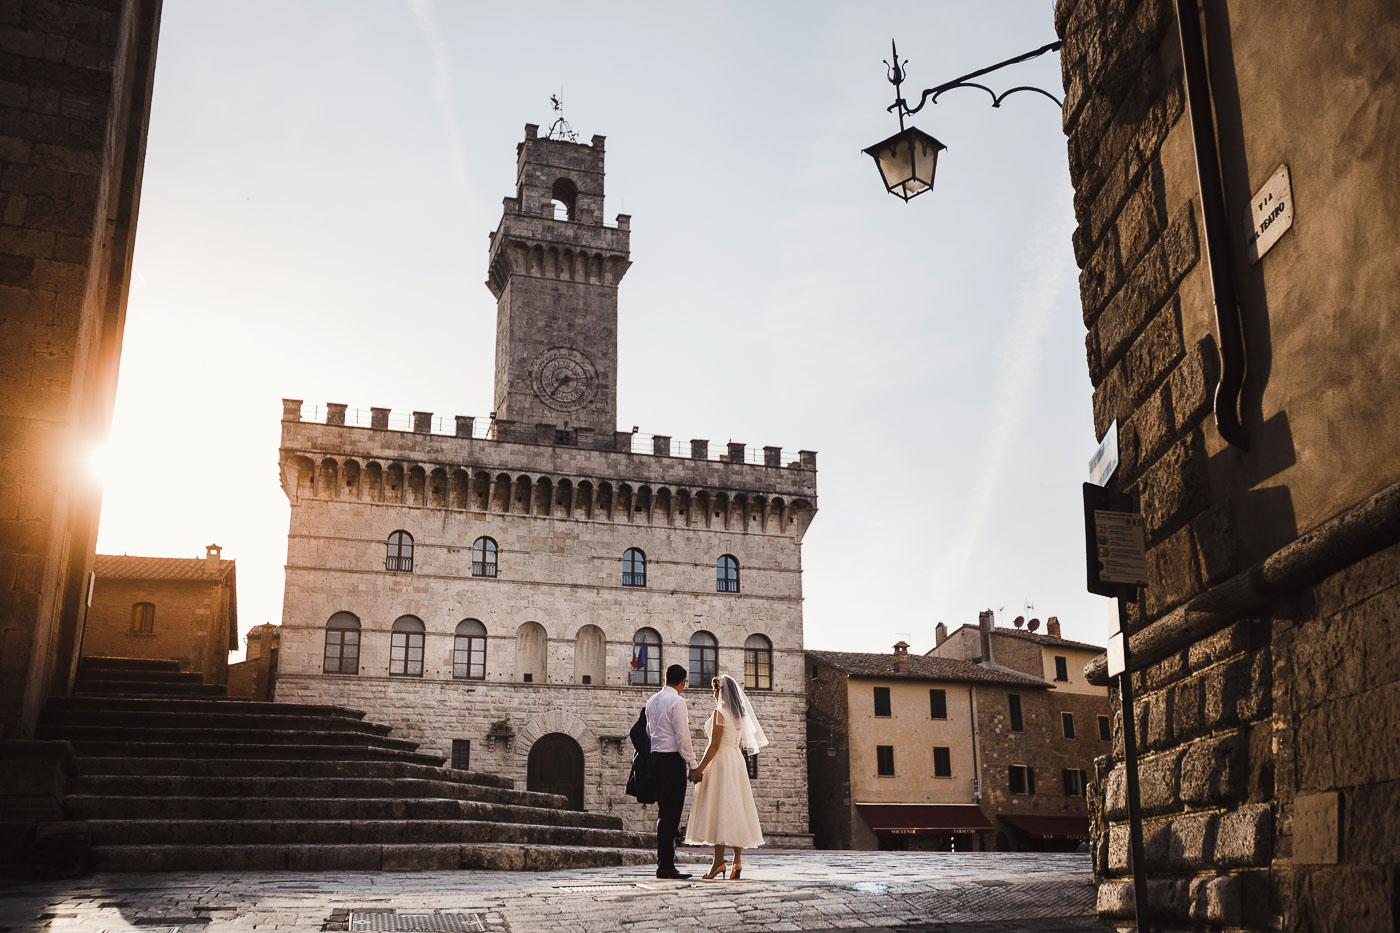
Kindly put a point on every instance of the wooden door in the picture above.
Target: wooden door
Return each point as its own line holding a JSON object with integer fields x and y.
{"x": 556, "y": 767}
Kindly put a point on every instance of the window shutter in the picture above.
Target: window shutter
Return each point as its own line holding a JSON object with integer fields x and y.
{"x": 1030, "y": 780}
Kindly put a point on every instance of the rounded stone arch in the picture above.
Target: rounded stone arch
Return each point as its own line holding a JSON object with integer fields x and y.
{"x": 590, "y": 655}
{"x": 543, "y": 496}
{"x": 521, "y": 495}
{"x": 563, "y": 499}
{"x": 299, "y": 475}
{"x": 327, "y": 479}
{"x": 683, "y": 509}
{"x": 583, "y": 499}
{"x": 374, "y": 481}
{"x": 350, "y": 473}
{"x": 605, "y": 500}
{"x": 500, "y": 499}
{"x": 437, "y": 488}
{"x": 643, "y": 503}
{"x": 548, "y": 723}
{"x": 531, "y": 653}
{"x": 566, "y": 193}
{"x": 461, "y": 489}
{"x": 417, "y": 486}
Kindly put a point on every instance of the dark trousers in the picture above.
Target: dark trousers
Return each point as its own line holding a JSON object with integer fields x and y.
{"x": 668, "y": 773}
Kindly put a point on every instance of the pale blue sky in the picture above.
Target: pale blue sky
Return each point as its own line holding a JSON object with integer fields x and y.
{"x": 321, "y": 178}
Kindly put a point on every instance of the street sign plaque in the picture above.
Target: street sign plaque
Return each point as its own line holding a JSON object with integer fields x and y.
{"x": 1121, "y": 544}
{"x": 1105, "y": 459}
{"x": 1117, "y": 657}
{"x": 1270, "y": 214}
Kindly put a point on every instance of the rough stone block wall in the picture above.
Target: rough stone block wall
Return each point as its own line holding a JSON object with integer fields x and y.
{"x": 1268, "y": 779}
{"x": 74, "y": 101}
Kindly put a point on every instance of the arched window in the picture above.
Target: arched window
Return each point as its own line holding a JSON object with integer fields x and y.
{"x": 564, "y": 194}
{"x": 758, "y": 663}
{"x": 400, "y": 552}
{"x": 342, "y": 644}
{"x": 704, "y": 659}
{"x": 484, "y": 557}
{"x": 646, "y": 659}
{"x": 143, "y": 619}
{"x": 727, "y": 574}
{"x": 469, "y": 651}
{"x": 406, "y": 647}
{"x": 634, "y": 567}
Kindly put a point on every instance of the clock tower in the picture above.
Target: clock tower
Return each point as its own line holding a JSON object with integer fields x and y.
{"x": 554, "y": 269}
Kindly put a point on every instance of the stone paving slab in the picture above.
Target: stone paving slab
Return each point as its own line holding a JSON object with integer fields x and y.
{"x": 910, "y": 892}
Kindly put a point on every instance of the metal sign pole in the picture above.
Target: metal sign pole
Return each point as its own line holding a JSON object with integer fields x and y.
{"x": 1130, "y": 762}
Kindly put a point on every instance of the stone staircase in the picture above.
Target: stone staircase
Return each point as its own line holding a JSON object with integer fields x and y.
{"x": 176, "y": 776}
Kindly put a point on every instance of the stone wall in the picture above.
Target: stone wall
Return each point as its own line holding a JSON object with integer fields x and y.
{"x": 74, "y": 107}
{"x": 1264, "y": 707}
{"x": 434, "y": 712}
{"x": 559, "y": 567}
{"x": 829, "y": 757}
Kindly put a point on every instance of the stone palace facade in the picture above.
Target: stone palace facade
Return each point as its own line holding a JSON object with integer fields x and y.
{"x": 509, "y": 592}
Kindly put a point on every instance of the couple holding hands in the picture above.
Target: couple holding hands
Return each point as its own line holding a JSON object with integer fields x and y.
{"x": 723, "y": 813}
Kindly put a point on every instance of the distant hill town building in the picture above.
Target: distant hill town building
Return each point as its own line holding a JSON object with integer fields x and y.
{"x": 956, "y": 749}
{"x": 509, "y": 593}
{"x": 253, "y": 677}
{"x": 165, "y": 609}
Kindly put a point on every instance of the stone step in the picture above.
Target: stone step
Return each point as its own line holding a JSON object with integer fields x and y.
{"x": 199, "y": 705}
{"x": 261, "y": 737}
{"x": 118, "y": 785}
{"x": 346, "y": 752}
{"x": 442, "y": 856}
{"x": 139, "y": 675}
{"x": 355, "y": 831}
{"x": 125, "y": 664}
{"x": 283, "y": 721}
{"x": 85, "y": 687}
{"x": 286, "y": 767}
{"x": 91, "y": 807}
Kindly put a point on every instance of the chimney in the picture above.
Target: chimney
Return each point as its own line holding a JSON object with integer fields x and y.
{"x": 1052, "y": 626}
{"x": 211, "y": 557}
{"x": 940, "y": 634}
{"x": 985, "y": 621}
{"x": 902, "y": 664}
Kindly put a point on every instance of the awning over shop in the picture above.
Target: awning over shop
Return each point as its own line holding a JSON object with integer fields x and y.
{"x": 923, "y": 818}
{"x": 1051, "y": 827}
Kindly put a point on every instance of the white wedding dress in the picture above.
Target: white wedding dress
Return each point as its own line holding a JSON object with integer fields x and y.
{"x": 723, "y": 812}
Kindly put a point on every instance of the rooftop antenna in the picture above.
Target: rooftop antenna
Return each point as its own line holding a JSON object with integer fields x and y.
{"x": 560, "y": 128}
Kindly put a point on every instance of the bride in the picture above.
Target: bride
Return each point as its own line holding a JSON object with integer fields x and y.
{"x": 723, "y": 813}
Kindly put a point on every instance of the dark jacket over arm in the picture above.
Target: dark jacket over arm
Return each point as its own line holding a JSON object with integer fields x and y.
{"x": 639, "y": 781}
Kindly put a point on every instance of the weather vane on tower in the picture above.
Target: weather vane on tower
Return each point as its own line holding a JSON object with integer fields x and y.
{"x": 560, "y": 128}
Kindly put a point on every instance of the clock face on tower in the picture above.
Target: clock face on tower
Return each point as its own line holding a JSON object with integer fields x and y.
{"x": 565, "y": 379}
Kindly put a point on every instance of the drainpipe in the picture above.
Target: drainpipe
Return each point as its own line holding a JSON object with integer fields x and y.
{"x": 1228, "y": 323}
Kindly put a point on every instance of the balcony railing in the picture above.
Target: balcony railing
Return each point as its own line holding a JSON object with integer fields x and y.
{"x": 483, "y": 568}
{"x": 634, "y": 579}
{"x": 399, "y": 564}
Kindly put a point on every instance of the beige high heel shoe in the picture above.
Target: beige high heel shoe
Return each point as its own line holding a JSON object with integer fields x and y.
{"x": 716, "y": 871}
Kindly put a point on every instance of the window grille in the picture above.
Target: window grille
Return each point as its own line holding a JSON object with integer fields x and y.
{"x": 462, "y": 754}
{"x": 484, "y": 557}
{"x": 727, "y": 574}
{"x": 399, "y": 556}
{"x": 634, "y": 567}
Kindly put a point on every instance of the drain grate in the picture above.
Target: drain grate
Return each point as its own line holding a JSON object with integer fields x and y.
{"x": 428, "y": 921}
{"x": 586, "y": 888}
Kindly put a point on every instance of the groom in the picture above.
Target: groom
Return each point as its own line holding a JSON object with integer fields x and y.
{"x": 672, "y": 763}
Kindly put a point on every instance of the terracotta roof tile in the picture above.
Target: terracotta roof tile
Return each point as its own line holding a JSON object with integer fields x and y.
{"x": 922, "y": 667}
{"x": 122, "y": 567}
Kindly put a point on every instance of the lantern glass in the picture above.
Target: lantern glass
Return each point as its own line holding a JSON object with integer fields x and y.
{"x": 907, "y": 161}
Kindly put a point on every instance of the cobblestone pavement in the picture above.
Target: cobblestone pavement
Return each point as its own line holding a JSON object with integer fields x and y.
{"x": 965, "y": 892}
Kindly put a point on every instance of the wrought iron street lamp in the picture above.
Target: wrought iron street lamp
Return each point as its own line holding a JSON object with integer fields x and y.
{"x": 907, "y": 159}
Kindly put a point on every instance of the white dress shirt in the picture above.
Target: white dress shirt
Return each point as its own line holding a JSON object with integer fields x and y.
{"x": 668, "y": 724}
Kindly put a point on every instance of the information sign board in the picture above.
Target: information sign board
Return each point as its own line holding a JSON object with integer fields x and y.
{"x": 1121, "y": 545}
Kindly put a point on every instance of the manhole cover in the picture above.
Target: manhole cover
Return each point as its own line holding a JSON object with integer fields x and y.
{"x": 428, "y": 921}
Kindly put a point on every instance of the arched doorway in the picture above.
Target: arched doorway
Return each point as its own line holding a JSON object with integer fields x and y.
{"x": 556, "y": 767}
